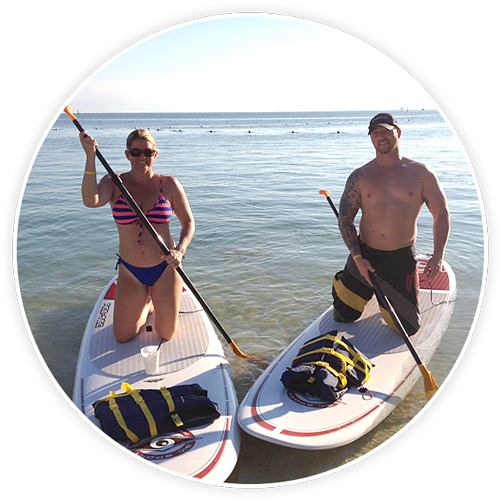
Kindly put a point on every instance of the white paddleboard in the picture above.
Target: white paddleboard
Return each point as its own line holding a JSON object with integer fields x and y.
{"x": 271, "y": 412}
{"x": 194, "y": 355}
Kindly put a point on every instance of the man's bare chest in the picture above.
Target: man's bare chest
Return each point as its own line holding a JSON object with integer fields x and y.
{"x": 402, "y": 187}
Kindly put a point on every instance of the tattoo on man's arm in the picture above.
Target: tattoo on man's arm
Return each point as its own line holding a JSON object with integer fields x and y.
{"x": 350, "y": 237}
{"x": 349, "y": 206}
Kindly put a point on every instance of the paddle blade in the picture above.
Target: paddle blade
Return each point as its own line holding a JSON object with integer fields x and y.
{"x": 430, "y": 384}
{"x": 243, "y": 355}
{"x": 68, "y": 111}
{"x": 324, "y": 192}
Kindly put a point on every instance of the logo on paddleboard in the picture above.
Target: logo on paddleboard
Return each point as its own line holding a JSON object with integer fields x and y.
{"x": 309, "y": 401}
{"x": 101, "y": 317}
{"x": 168, "y": 446}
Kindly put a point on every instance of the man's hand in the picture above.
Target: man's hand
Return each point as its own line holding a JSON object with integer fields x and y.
{"x": 433, "y": 267}
{"x": 364, "y": 268}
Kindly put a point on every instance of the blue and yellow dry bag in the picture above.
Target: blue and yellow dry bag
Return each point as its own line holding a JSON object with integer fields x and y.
{"x": 325, "y": 366}
{"x": 137, "y": 414}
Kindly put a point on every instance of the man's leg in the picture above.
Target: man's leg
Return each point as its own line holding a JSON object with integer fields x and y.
{"x": 399, "y": 282}
{"x": 351, "y": 292}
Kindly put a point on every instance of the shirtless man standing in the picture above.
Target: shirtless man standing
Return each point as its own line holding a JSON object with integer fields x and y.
{"x": 390, "y": 190}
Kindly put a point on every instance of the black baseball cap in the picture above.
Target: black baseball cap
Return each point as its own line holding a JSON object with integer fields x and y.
{"x": 385, "y": 120}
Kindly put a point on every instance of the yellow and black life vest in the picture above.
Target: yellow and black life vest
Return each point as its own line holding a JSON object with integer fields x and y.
{"x": 325, "y": 366}
{"x": 137, "y": 414}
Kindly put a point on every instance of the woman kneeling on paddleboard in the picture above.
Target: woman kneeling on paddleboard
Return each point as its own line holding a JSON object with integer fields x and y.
{"x": 144, "y": 269}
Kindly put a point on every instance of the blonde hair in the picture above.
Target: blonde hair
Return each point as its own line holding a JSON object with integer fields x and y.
{"x": 140, "y": 133}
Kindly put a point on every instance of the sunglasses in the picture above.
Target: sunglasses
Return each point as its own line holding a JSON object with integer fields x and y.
{"x": 138, "y": 152}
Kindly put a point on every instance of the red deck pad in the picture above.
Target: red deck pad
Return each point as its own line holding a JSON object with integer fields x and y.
{"x": 440, "y": 282}
{"x": 110, "y": 294}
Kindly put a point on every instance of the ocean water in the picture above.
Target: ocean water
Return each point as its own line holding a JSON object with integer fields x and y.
{"x": 266, "y": 243}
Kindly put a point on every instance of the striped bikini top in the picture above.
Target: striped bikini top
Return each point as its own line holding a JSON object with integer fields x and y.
{"x": 159, "y": 214}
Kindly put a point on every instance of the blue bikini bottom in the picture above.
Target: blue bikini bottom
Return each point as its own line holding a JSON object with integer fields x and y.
{"x": 146, "y": 275}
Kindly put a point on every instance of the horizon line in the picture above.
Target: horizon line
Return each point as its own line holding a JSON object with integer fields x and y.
{"x": 255, "y": 112}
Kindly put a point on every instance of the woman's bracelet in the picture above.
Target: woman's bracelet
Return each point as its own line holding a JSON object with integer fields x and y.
{"x": 357, "y": 257}
{"x": 90, "y": 173}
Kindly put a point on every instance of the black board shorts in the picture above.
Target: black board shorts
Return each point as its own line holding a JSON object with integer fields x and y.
{"x": 397, "y": 275}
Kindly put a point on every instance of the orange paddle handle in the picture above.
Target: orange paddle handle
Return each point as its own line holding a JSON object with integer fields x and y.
{"x": 68, "y": 111}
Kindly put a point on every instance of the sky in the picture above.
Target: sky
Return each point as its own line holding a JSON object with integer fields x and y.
{"x": 248, "y": 63}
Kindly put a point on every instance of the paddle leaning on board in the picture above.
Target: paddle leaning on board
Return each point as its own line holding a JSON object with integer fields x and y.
{"x": 131, "y": 202}
{"x": 430, "y": 385}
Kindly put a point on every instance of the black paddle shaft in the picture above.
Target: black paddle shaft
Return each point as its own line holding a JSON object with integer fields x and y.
{"x": 388, "y": 306}
{"x": 333, "y": 206}
{"x": 119, "y": 183}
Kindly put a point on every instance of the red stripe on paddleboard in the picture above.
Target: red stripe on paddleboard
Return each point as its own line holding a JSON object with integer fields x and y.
{"x": 222, "y": 446}
{"x": 287, "y": 432}
{"x": 255, "y": 413}
{"x": 217, "y": 457}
